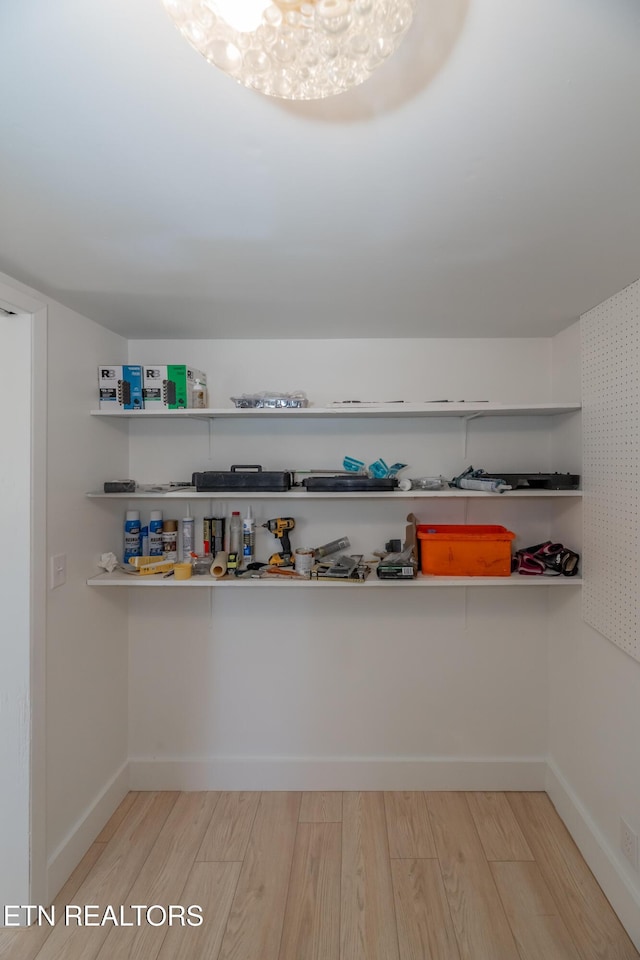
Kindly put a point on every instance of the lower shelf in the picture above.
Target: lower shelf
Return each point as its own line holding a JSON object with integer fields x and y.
{"x": 515, "y": 580}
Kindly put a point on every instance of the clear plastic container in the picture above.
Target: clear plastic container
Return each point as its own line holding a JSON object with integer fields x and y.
{"x": 428, "y": 483}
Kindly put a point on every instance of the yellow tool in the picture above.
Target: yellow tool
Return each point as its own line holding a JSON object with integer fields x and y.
{"x": 280, "y": 528}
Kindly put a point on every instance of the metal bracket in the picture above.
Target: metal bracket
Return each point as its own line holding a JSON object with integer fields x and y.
{"x": 465, "y": 421}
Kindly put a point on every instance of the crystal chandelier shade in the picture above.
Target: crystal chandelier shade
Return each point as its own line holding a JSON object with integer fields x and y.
{"x": 294, "y": 49}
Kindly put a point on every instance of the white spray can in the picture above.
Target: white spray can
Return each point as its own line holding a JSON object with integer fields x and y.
{"x": 132, "y": 543}
{"x": 155, "y": 534}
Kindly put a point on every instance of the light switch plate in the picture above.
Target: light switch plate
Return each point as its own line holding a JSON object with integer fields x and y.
{"x": 58, "y": 570}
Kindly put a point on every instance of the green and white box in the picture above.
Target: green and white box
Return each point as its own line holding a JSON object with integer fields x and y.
{"x": 173, "y": 387}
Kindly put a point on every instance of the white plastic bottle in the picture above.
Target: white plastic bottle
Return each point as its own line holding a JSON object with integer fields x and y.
{"x": 248, "y": 538}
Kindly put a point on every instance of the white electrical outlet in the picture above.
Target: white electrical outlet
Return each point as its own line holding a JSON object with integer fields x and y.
{"x": 629, "y": 843}
{"x": 58, "y": 570}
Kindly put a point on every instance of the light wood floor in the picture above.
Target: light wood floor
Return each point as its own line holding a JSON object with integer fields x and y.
{"x": 331, "y": 876}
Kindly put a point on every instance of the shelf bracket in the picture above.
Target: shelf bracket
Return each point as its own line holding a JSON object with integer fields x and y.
{"x": 465, "y": 436}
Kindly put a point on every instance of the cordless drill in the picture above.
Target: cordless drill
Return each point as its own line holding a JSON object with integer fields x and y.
{"x": 280, "y": 528}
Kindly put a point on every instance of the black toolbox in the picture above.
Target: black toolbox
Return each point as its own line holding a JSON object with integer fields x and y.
{"x": 349, "y": 484}
{"x": 535, "y": 481}
{"x": 241, "y": 476}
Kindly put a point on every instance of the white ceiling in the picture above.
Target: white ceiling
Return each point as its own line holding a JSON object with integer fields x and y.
{"x": 484, "y": 183}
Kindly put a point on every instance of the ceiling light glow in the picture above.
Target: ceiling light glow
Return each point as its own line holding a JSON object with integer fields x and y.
{"x": 294, "y": 49}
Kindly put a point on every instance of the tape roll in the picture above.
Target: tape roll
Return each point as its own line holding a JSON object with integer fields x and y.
{"x": 219, "y": 566}
{"x": 182, "y": 571}
{"x": 304, "y": 560}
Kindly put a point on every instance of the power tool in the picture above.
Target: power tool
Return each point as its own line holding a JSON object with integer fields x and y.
{"x": 280, "y": 528}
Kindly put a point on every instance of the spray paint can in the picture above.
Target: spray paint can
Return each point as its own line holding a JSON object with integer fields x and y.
{"x": 187, "y": 539}
{"x": 235, "y": 532}
{"x": 218, "y": 525}
{"x": 132, "y": 544}
{"x": 144, "y": 541}
{"x": 170, "y": 540}
{"x": 155, "y": 534}
{"x": 248, "y": 538}
{"x": 206, "y": 535}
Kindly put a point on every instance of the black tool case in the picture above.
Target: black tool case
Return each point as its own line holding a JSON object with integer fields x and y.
{"x": 536, "y": 481}
{"x": 348, "y": 484}
{"x": 241, "y": 476}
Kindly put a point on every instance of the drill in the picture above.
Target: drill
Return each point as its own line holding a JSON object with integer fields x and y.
{"x": 280, "y": 528}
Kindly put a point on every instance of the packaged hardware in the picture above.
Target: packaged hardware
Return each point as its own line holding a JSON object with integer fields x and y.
{"x": 174, "y": 387}
{"x": 270, "y": 401}
{"x": 398, "y": 566}
{"x": 120, "y": 387}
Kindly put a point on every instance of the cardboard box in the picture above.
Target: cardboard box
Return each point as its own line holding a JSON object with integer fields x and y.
{"x": 120, "y": 387}
{"x": 173, "y": 387}
{"x": 197, "y": 394}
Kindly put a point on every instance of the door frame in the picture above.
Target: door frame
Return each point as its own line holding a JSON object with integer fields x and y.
{"x": 19, "y": 300}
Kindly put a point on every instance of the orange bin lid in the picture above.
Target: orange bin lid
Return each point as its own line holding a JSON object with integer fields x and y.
{"x": 461, "y": 531}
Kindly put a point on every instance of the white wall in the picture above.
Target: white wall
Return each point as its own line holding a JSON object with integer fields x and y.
{"x": 594, "y": 723}
{"x": 346, "y": 689}
{"x": 15, "y": 569}
{"x": 86, "y": 630}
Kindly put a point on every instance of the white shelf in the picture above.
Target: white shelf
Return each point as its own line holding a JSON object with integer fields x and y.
{"x": 515, "y": 580}
{"x": 303, "y": 495}
{"x": 359, "y": 411}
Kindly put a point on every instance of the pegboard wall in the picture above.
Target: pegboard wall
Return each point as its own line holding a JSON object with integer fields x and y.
{"x": 611, "y": 431}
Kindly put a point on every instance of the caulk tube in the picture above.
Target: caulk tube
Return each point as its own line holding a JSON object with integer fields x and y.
{"x": 332, "y": 547}
{"x": 187, "y": 538}
{"x": 489, "y": 486}
{"x": 248, "y": 538}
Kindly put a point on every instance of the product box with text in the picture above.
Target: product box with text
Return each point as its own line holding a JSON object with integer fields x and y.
{"x": 173, "y": 387}
{"x": 120, "y": 387}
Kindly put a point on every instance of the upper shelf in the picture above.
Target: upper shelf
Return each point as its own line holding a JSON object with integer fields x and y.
{"x": 355, "y": 410}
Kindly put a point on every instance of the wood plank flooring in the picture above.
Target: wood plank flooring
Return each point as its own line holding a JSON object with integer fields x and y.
{"x": 331, "y": 876}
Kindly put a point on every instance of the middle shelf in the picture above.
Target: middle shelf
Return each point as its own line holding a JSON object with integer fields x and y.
{"x": 305, "y": 495}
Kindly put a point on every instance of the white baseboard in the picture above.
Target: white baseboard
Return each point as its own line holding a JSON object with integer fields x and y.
{"x": 338, "y": 773}
{"x": 70, "y": 852}
{"x": 606, "y": 864}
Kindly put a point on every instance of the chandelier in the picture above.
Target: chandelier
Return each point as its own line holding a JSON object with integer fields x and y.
{"x": 294, "y": 49}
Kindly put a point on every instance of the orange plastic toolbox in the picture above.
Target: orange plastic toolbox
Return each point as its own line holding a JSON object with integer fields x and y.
{"x": 465, "y": 550}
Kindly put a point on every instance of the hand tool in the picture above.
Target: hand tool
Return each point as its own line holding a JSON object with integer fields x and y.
{"x": 280, "y": 527}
